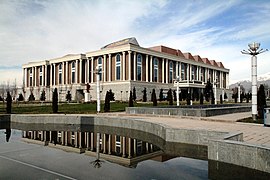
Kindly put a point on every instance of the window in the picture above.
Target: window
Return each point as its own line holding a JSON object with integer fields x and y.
{"x": 202, "y": 74}
{"x": 170, "y": 72}
{"x": 73, "y": 69}
{"x": 100, "y": 67}
{"x": 31, "y": 77}
{"x": 40, "y": 75}
{"x": 155, "y": 70}
{"x": 139, "y": 67}
{"x": 118, "y": 67}
{"x": 192, "y": 72}
{"x": 183, "y": 71}
{"x": 60, "y": 74}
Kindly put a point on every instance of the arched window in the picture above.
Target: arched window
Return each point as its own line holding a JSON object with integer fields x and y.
{"x": 170, "y": 72}
{"x": 118, "y": 67}
{"x": 183, "y": 71}
{"x": 73, "y": 69}
{"x": 192, "y": 72}
{"x": 202, "y": 74}
{"x": 155, "y": 70}
{"x": 31, "y": 76}
{"x": 60, "y": 74}
{"x": 139, "y": 67}
{"x": 100, "y": 67}
{"x": 40, "y": 75}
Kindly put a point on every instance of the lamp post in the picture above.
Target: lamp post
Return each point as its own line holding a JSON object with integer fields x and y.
{"x": 253, "y": 51}
{"x": 215, "y": 90}
{"x": 177, "y": 90}
{"x": 238, "y": 93}
{"x": 98, "y": 71}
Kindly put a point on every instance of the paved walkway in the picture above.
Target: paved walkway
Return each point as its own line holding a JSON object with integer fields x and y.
{"x": 252, "y": 133}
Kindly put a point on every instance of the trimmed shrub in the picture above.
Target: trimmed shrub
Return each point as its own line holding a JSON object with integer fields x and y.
{"x": 55, "y": 101}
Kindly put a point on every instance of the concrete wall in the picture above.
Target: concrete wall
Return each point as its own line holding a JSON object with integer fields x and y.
{"x": 186, "y": 111}
{"x": 239, "y": 153}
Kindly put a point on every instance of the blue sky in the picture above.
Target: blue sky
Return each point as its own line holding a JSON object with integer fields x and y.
{"x": 216, "y": 29}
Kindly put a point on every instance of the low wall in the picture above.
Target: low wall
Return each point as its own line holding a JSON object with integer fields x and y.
{"x": 186, "y": 111}
{"x": 239, "y": 153}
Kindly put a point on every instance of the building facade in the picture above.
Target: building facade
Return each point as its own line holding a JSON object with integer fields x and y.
{"x": 124, "y": 65}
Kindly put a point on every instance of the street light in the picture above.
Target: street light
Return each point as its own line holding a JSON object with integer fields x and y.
{"x": 215, "y": 90}
{"x": 253, "y": 51}
{"x": 177, "y": 89}
{"x": 98, "y": 72}
{"x": 238, "y": 93}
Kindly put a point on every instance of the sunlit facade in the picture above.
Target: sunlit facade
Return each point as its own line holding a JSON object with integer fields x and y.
{"x": 124, "y": 65}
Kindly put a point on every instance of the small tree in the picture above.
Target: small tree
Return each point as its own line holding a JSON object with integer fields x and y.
{"x": 169, "y": 97}
{"x": 212, "y": 98}
{"x": 134, "y": 97}
{"x": 161, "y": 95}
{"x": 130, "y": 102}
{"x": 107, "y": 103}
{"x": 208, "y": 90}
{"x": 68, "y": 97}
{"x": 188, "y": 98}
{"x": 20, "y": 98}
{"x": 55, "y": 101}
{"x": 201, "y": 98}
{"x": 242, "y": 95}
{"x": 225, "y": 96}
{"x": 221, "y": 99}
{"x": 154, "y": 98}
{"x": 111, "y": 95}
{"x": 235, "y": 96}
{"x": 31, "y": 97}
{"x": 174, "y": 95}
{"x": 261, "y": 101}
{"x": 9, "y": 102}
{"x": 42, "y": 96}
{"x": 247, "y": 97}
{"x": 144, "y": 95}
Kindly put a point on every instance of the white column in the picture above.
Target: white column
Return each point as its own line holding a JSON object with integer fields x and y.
{"x": 104, "y": 143}
{"x": 35, "y": 77}
{"x": 80, "y": 139}
{"x": 129, "y": 65}
{"x": 146, "y": 68}
{"x": 25, "y": 77}
{"x": 66, "y": 138}
{"x": 135, "y": 147}
{"x": 76, "y": 72}
{"x": 110, "y": 68}
{"x": 180, "y": 71}
{"x": 162, "y": 71}
{"x": 188, "y": 73}
{"x": 92, "y": 69}
{"x": 151, "y": 68}
{"x": 87, "y": 140}
{"x": 43, "y": 75}
{"x": 63, "y": 137}
{"x": 104, "y": 68}
{"x": 134, "y": 67}
{"x": 51, "y": 75}
{"x": 124, "y": 146}
{"x": 66, "y": 74}
{"x": 129, "y": 148}
{"x": 80, "y": 72}
{"x": 167, "y": 71}
{"x": 86, "y": 67}
{"x": 124, "y": 65}
{"x": 177, "y": 69}
{"x": 92, "y": 141}
{"x": 76, "y": 139}
{"x": 54, "y": 72}
{"x": 109, "y": 148}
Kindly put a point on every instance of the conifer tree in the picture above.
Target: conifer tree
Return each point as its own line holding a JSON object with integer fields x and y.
{"x": 161, "y": 95}
{"x": 130, "y": 102}
{"x": 9, "y": 102}
{"x": 154, "y": 98}
{"x": 201, "y": 98}
{"x": 68, "y": 97}
{"x": 55, "y": 101}
{"x": 107, "y": 103}
{"x": 42, "y": 96}
{"x": 134, "y": 97}
{"x": 169, "y": 97}
{"x": 261, "y": 99}
{"x": 144, "y": 95}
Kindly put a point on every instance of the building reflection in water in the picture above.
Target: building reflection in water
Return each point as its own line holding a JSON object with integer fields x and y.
{"x": 111, "y": 147}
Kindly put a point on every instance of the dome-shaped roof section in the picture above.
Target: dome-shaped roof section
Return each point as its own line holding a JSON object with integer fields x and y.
{"x": 122, "y": 42}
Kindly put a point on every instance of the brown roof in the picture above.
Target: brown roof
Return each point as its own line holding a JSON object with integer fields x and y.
{"x": 214, "y": 63}
{"x": 198, "y": 58}
{"x": 188, "y": 56}
{"x": 206, "y": 61}
{"x": 220, "y": 64}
